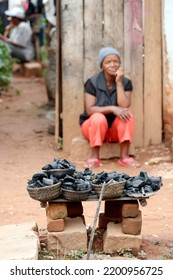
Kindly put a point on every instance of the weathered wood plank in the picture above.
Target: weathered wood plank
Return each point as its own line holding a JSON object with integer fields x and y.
{"x": 58, "y": 82}
{"x": 72, "y": 68}
{"x": 167, "y": 69}
{"x": 113, "y": 28}
{"x": 92, "y": 36}
{"x": 133, "y": 48}
{"x": 152, "y": 73}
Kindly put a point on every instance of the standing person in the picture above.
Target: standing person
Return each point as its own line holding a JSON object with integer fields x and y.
{"x": 18, "y": 35}
{"x": 107, "y": 116}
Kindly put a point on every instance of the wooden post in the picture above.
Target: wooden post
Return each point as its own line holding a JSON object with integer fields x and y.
{"x": 58, "y": 96}
{"x": 133, "y": 48}
{"x": 72, "y": 68}
{"x": 152, "y": 73}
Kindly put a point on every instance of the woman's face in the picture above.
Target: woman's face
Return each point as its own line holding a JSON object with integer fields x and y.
{"x": 111, "y": 64}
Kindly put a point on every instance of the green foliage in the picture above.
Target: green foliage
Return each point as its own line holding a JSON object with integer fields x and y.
{"x": 127, "y": 253}
{"x": 60, "y": 143}
{"x": 142, "y": 255}
{"x": 6, "y": 62}
{"x": 45, "y": 255}
{"x": 17, "y": 92}
{"x": 76, "y": 254}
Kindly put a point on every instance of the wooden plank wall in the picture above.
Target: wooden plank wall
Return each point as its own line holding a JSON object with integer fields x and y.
{"x": 152, "y": 73}
{"x": 72, "y": 68}
{"x": 88, "y": 25}
{"x": 103, "y": 26}
{"x": 133, "y": 50}
{"x": 113, "y": 27}
{"x": 92, "y": 36}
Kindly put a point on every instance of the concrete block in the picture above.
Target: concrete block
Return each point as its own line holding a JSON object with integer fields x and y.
{"x": 19, "y": 241}
{"x": 114, "y": 239}
{"x": 80, "y": 149}
{"x": 52, "y": 242}
{"x": 130, "y": 209}
{"x": 56, "y": 210}
{"x": 132, "y": 225}
{"x": 32, "y": 69}
{"x": 74, "y": 237}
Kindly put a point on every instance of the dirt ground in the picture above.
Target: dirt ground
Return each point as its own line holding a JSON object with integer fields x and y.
{"x": 26, "y": 146}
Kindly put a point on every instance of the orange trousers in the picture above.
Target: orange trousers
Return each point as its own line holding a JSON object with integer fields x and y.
{"x": 96, "y": 131}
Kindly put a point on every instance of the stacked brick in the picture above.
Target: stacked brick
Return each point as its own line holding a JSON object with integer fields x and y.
{"x": 126, "y": 213}
{"x": 131, "y": 218}
{"x": 121, "y": 220}
{"x": 57, "y": 212}
{"x": 66, "y": 227}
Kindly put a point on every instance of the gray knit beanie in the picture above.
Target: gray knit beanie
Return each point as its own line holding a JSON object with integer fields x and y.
{"x": 105, "y": 52}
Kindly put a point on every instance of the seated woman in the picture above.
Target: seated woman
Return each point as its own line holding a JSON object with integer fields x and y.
{"x": 107, "y": 117}
{"x": 18, "y": 35}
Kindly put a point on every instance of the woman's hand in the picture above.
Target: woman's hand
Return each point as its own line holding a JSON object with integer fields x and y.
{"x": 122, "y": 113}
{"x": 119, "y": 74}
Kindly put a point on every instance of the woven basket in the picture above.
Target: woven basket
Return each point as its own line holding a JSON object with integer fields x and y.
{"x": 112, "y": 190}
{"x": 75, "y": 195}
{"x": 60, "y": 173}
{"x": 46, "y": 193}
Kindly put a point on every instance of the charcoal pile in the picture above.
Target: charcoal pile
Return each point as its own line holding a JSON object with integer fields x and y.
{"x": 63, "y": 173}
{"x": 87, "y": 174}
{"x": 42, "y": 179}
{"x": 142, "y": 185}
{"x": 80, "y": 181}
{"x": 104, "y": 177}
{"x": 57, "y": 163}
{"x": 73, "y": 184}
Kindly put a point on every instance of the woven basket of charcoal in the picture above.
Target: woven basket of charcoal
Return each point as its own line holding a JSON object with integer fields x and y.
{"x": 142, "y": 186}
{"x": 112, "y": 189}
{"x": 75, "y": 195}
{"x": 46, "y": 193}
{"x": 114, "y": 184}
{"x": 75, "y": 189}
{"x": 44, "y": 188}
{"x": 59, "y": 168}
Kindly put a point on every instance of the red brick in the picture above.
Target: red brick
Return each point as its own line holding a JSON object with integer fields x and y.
{"x": 130, "y": 209}
{"x": 104, "y": 220}
{"x": 55, "y": 225}
{"x": 56, "y": 210}
{"x": 74, "y": 209}
{"x": 132, "y": 226}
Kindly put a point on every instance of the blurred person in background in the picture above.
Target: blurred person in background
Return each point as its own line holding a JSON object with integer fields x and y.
{"x": 18, "y": 35}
